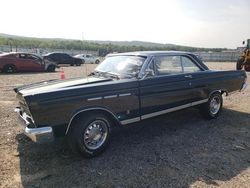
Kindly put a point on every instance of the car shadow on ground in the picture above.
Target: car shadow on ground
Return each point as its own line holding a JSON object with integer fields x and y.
{"x": 174, "y": 150}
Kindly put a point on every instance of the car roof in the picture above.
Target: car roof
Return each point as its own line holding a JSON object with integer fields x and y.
{"x": 159, "y": 53}
{"x": 55, "y": 53}
{"x": 150, "y": 53}
{"x": 10, "y": 53}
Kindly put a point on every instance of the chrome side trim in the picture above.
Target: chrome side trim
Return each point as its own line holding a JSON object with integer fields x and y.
{"x": 110, "y": 96}
{"x": 89, "y": 109}
{"x": 173, "y": 109}
{"x": 127, "y": 121}
{"x": 124, "y": 94}
{"x": 94, "y": 99}
{"x": 199, "y": 102}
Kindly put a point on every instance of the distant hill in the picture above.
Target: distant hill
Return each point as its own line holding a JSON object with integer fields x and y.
{"x": 102, "y": 47}
{"x": 134, "y": 43}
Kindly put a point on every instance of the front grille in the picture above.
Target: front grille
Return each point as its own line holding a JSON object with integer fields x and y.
{"x": 22, "y": 103}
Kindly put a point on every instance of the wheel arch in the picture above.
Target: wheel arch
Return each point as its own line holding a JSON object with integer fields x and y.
{"x": 81, "y": 112}
{"x": 221, "y": 91}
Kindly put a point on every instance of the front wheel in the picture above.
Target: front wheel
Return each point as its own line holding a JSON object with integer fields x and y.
{"x": 90, "y": 135}
{"x": 212, "y": 108}
{"x": 97, "y": 61}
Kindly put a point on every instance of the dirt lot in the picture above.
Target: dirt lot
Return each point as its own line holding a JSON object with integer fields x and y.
{"x": 179, "y": 149}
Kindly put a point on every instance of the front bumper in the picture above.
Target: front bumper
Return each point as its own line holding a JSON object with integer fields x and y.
{"x": 38, "y": 135}
{"x": 244, "y": 86}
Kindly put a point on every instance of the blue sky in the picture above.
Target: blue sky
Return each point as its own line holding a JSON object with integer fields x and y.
{"x": 220, "y": 23}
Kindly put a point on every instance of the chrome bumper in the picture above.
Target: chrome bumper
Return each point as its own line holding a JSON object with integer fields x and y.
{"x": 38, "y": 135}
{"x": 244, "y": 86}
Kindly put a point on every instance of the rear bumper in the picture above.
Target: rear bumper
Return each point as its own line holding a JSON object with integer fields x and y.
{"x": 38, "y": 135}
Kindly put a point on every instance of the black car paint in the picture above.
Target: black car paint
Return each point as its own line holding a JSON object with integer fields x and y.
{"x": 62, "y": 58}
{"x": 125, "y": 99}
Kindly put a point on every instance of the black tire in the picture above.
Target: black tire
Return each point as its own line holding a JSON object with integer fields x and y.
{"x": 79, "y": 130}
{"x": 51, "y": 68}
{"x": 97, "y": 61}
{"x": 239, "y": 64}
{"x": 207, "y": 110}
{"x": 9, "y": 69}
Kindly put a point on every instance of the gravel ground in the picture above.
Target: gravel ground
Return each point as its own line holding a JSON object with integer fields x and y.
{"x": 179, "y": 149}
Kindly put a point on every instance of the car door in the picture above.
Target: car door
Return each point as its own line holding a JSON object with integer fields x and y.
{"x": 35, "y": 63}
{"x": 23, "y": 65}
{"x": 167, "y": 89}
{"x": 29, "y": 62}
{"x": 197, "y": 77}
{"x": 88, "y": 59}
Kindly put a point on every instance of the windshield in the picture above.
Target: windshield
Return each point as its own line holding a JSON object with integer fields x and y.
{"x": 121, "y": 65}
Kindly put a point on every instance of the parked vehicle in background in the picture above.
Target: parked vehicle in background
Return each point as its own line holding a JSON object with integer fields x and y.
{"x": 18, "y": 62}
{"x": 62, "y": 58}
{"x": 88, "y": 58}
{"x": 1, "y": 52}
{"x": 125, "y": 88}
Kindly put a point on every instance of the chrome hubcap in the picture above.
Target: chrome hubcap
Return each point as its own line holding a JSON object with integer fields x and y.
{"x": 95, "y": 134}
{"x": 215, "y": 105}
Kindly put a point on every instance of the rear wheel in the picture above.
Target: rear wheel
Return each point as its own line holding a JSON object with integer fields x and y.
{"x": 97, "y": 61}
{"x": 9, "y": 69}
{"x": 90, "y": 135}
{"x": 212, "y": 108}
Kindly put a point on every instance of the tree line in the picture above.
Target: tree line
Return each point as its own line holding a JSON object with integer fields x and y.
{"x": 102, "y": 49}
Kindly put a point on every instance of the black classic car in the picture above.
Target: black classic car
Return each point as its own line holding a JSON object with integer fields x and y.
{"x": 62, "y": 58}
{"x": 124, "y": 88}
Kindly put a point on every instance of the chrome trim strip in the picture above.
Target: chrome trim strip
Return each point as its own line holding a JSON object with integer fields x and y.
{"x": 127, "y": 121}
{"x": 93, "y": 99}
{"x": 199, "y": 102}
{"x": 110, "y": 96}
{"x": 124, "y": 94}
{"x": 173, "y": 109}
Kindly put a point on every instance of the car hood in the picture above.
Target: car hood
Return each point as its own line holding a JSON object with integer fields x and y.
{"x": 55, "y": 85}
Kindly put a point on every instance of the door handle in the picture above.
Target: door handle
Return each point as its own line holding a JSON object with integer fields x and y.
{"x": 188, "y": 76}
